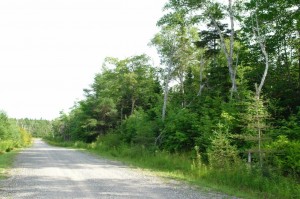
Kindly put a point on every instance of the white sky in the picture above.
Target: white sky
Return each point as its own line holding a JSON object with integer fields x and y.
{"x": 50, "y": 50}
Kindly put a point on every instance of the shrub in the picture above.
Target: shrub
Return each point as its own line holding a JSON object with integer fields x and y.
{"x": 80, "y": 144}
{"x": 25, "y": 137}
{"x": 286, "y": 156}
{"x": 222, "y": 154}
{"x": 110, "y": 140}
{"x": 181, "y": 129}
{"x": 139, "y": 129}
{"x": 6, "y": 146}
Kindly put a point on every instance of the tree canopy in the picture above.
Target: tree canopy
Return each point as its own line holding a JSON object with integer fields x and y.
{"x": 228, "y": 83}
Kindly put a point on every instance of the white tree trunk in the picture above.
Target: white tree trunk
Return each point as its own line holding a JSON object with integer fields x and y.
{"x": 228, "y": 53}
{"x": 201, "y": 85}
{"x": 166, "y": 92}
{"x": 261, "y": 41}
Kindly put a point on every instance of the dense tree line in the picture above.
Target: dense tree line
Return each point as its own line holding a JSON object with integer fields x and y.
{"x": 11, "y": 136}
{"x": 36, "y": 127}
{"x": 228, "y": 84}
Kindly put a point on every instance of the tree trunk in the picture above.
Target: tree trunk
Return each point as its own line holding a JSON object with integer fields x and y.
{"x": 230, "y": 58}
{"x": 181, "y": 79}
{"x": 262, "y": 82}
{"x": 249, "y": 157}
{"x": 166, "y": 92}
{"x": 299, "y": 67}
{"x": 259, "y": 130}
{"x": 261, "y": 41}
{"x": 299, "y": 61}
{"x": 201, "y": 86}
{"x": 121, "y": 112}
{"x": 228, "y": 53}
{"x": 132, "y": 104}
{"x": 286, "y": 60}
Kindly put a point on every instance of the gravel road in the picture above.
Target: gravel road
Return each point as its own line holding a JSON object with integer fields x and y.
{"x": 44, "y": 171}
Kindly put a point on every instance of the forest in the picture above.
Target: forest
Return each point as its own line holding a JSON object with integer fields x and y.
{"x": 226, "y": 95}
{"x": 12, "y": 136}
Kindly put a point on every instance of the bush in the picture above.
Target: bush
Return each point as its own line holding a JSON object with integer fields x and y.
{"x": 139, "y": 129}
{"x": 286, "y": 156}
{"x": 80, "y": 144}
{"x": 25, "y": 137}
{"x": 6, "y": 146}
{"x": 222, "y": 154}
{"x": 252, "y": 180}
{"x": 181, "y": 129}
{"x": 110, "y": 140}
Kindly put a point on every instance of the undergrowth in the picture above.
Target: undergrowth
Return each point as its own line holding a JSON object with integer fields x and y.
{"x": 241, "y": 181}
{"x": 6, "y": 161}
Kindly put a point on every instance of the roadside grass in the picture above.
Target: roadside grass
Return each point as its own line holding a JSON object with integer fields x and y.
{"x": 241, "y": 181}
{"x": 6, "y": 161}
{"x": 9, "y": 149}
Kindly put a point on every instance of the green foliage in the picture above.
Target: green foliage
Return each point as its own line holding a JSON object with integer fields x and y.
{"x": 109, "y": 141}
{"x": 139, "y": 129}
{"x": 180, "y": 130}
{"x": 238, "y": 180}
{"x": 289, "y": 127}
{"x": 123, "y": 87}
{"x": 222, "y": 153}
{"x": 7, "y": 146}
{"x": 255, "y": 116}
{"x": 37, "y": 128}
{"x": 6, "y": 161}
{"x": 11, "y": 136}
{"x": 4, "y": 127}
{"x": 286, "y": 156}
{"x": 254, "y": 182}
{"x": 127, "y": 114}
{"x": 25, "y": 137}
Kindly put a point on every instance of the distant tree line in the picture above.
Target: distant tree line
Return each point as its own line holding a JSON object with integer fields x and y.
{"x": 11, "y": 135}
{"x": 36, "y": 127}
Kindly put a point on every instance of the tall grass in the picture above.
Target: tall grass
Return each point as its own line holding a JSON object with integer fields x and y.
{"x": 241, "y": 180}
{"x": 7, "y": 145}
{"x": 8, "y": 152}
{"x": 6, "y": 161}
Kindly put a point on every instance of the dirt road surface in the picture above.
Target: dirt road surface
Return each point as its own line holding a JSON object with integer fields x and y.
{"x": 44, "y": 171}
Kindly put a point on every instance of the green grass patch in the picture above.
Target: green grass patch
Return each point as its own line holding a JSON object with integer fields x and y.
{"x": 241, "y": 181}
{"x": 8, "y": 150}
{"x": 6, "y": 161}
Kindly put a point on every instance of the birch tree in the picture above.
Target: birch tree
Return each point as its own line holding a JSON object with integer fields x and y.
{"x": 215, "y": 12}
{"x": 184, "y": 36}
{"x": 166, "y": 45}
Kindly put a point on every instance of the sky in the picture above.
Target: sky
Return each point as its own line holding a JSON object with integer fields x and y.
{"x": 50, "y": 50}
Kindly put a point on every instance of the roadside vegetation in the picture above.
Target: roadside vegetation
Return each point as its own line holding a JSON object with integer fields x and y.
{"x": 241, "y": 181}
{"x": 222, "y": 109}
{"x": 6, "y": 161}
{"x": 12, "y": 137}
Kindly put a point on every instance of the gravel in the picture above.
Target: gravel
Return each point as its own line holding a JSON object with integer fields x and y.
{"x": 44, "y": 171}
